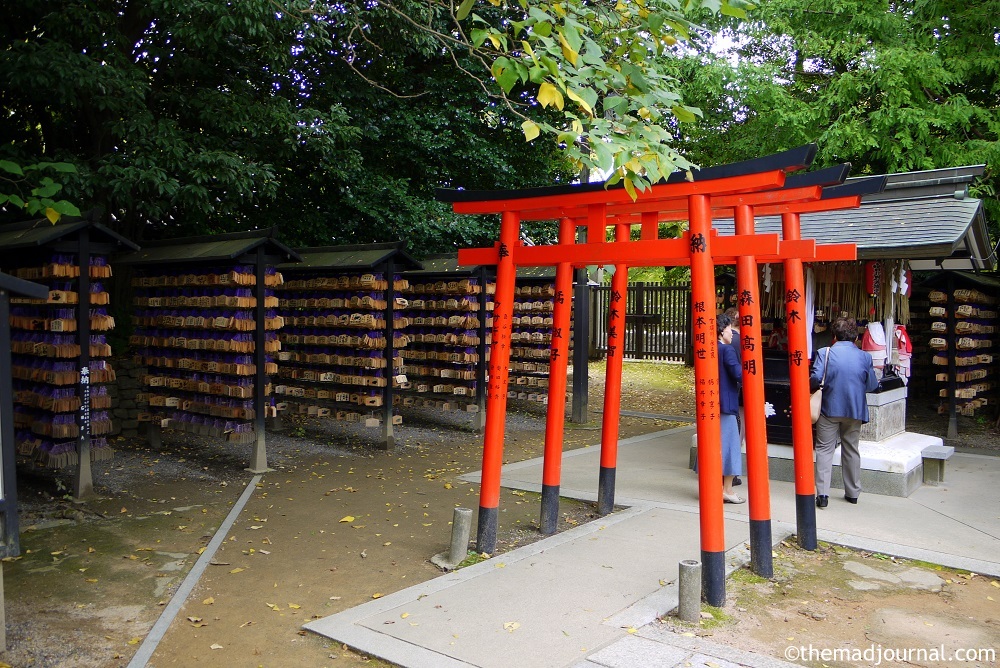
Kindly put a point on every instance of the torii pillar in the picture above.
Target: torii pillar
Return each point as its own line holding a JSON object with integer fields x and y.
{"x": 618, "y": 306}
{"x": 706, "y": 388}
{"x": 798, "y": 375}
{"x": 555, "y": 419}
{"x": 758, "y": 477}
{"x": 496, "y": 393}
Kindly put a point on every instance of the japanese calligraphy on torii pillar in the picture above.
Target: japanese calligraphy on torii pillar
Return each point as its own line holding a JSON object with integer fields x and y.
{"x": 749, "y": 333}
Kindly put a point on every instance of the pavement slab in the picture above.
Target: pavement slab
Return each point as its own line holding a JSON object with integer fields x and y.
{"x": 590, "y": 596}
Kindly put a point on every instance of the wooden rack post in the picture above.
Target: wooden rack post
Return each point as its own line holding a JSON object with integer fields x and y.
{"x": 482, "y": 350}
{"x": 83, "y": 481}
{"x": 10, "y": 535}
{"x": 388, "y": 396}
{"x": 258, "y": 460}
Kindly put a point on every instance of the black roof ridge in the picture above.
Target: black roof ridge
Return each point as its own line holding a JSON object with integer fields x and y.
{"x": 265, "y": 233}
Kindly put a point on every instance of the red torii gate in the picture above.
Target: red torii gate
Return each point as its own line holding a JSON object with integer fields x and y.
{"x": 739, "y": 190}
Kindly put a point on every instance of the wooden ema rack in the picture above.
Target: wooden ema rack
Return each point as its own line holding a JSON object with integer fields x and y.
{"x": 449, "y": 321}
{"x": 46, "y": 362}
{"x": 963, "y": 325}
{"x": 195, "y": 334}
{"x": 335, "y": 363}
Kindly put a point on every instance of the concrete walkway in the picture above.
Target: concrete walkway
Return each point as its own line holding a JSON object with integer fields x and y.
{"x": 587, "y": 597}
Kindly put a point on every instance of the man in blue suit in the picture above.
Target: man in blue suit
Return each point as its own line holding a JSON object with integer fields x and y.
{"x": 846, "y": 374}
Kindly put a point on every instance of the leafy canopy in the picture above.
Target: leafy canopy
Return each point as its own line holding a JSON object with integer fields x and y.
{"x": 599, "y": 65}
{"x": 336, "y": 120}
{"x": 197, "y": 117}
{"x": 890, "y": 87}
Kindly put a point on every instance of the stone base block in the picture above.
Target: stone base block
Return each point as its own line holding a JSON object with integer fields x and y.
{"x": 892, "y": 467}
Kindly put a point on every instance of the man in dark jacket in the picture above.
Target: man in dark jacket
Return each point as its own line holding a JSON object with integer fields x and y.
{"x": 849, "y": 375}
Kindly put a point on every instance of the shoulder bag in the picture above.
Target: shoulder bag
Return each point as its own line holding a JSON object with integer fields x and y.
{"x": 816, "y": 398}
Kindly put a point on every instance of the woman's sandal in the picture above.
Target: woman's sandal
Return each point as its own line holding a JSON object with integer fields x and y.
{"x": 732, "y": 498}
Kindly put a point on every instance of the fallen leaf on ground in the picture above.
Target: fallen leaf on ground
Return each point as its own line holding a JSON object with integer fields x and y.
{"x": 377, "y": 595}
{"x": 510, "y": 627}
{"x": 349, "y": 518}
{"x": 236, "y": 570}
{"x": 209, "y": 601}
{"x": 216, "y": 646}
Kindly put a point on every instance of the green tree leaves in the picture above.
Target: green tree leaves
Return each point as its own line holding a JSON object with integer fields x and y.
{"x": 891, "y": 87}
{"x": 335, "y": 121}
{"x": 29, "y": 192}
{"x": 600, "y": 71}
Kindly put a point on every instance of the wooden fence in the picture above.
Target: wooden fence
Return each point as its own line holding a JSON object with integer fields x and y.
{"x": 657, "y": 322}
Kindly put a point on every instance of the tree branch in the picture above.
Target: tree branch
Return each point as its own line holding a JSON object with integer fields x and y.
{"x": 349, "y": 59}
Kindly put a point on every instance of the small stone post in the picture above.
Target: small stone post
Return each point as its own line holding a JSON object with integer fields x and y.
{"x": 461, "y": 530}
{"x": 689, "y": 591}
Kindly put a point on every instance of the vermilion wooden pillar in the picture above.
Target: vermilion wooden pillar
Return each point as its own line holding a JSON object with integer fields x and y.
{"x": 706, "y": 383}
{"x": 496, "y": 398}
{"x": 798, "y": 374}
{"x": 558, "y": 362}
{"x": 617, "y": 308}
{"x": 748, "y": 299}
